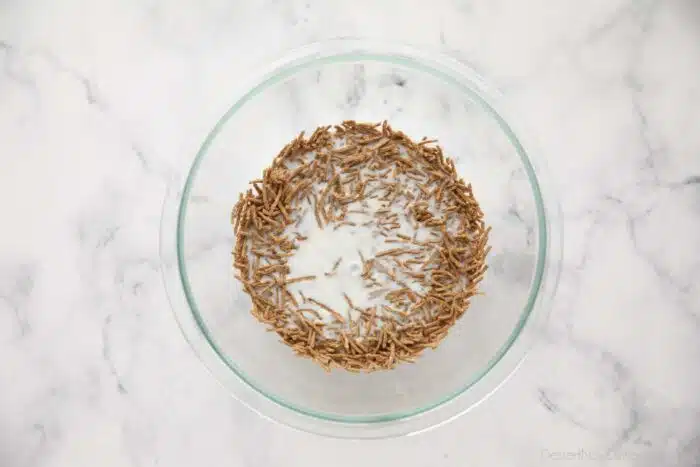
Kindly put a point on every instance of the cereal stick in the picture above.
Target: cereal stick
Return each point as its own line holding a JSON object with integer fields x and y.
{"x": 335, "y": 314}
{"x": 299, "y": 279}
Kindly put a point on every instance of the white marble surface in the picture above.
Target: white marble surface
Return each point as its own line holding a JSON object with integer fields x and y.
{"x": 101, "y": 102}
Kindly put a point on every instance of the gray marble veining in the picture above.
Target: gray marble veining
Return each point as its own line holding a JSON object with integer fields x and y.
{"x": 102, "y": 102}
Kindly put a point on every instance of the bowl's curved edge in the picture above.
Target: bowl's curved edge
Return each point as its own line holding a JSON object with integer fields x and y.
{"x": 436, "y": 416}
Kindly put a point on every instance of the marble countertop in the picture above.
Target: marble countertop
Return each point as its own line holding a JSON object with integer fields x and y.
{"x": 101, "y": 102}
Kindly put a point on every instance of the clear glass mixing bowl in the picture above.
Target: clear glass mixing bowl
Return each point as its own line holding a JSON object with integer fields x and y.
{"x": 422, "y": 94}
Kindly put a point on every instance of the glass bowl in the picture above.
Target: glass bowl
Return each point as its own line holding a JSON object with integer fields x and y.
{"x": 423, "y": 94}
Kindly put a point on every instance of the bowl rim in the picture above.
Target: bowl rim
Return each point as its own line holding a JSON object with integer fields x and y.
{"x": 482, "y": 383}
